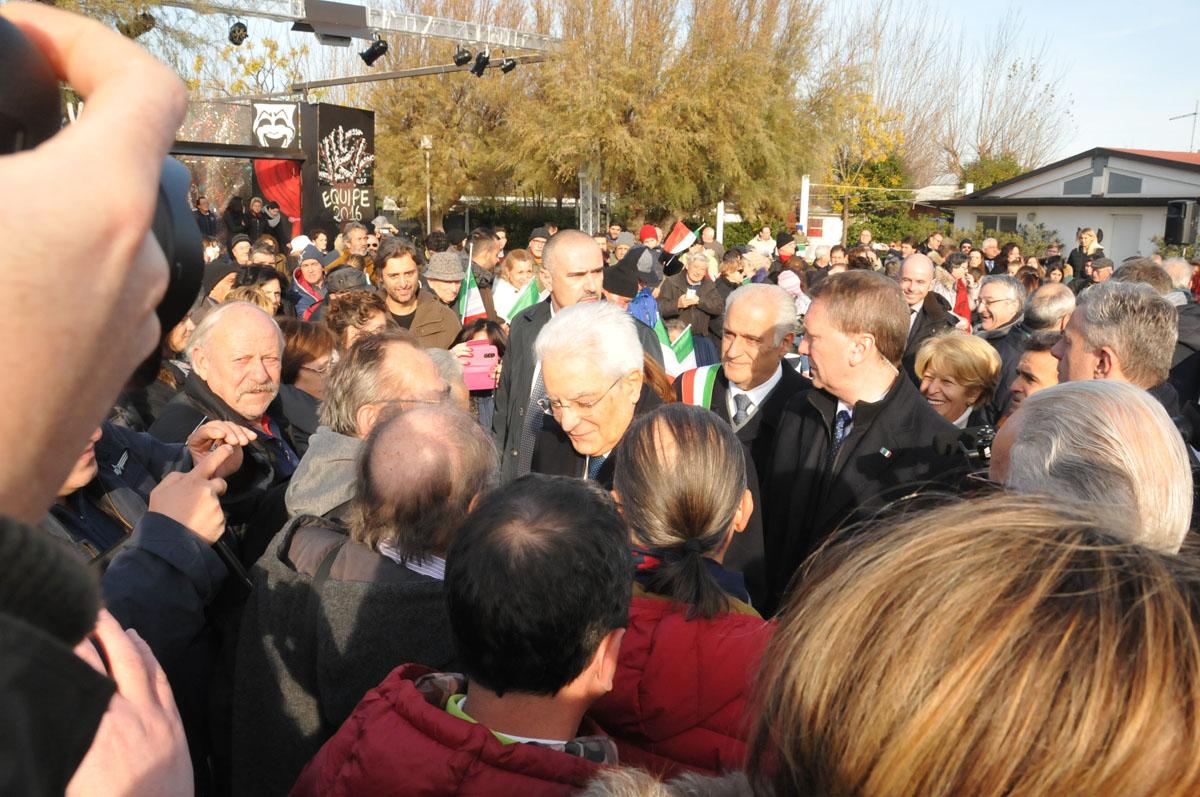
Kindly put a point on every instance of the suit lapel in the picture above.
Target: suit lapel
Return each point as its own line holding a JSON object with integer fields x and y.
{"x": 720, "y": 396}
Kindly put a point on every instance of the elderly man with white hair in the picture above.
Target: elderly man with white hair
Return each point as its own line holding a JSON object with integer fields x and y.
{"x": 591, "y": 364}
{"x": 1124, "y": 332}
{"x": 1126, "y": 461}
{"x": 236, "y": 354}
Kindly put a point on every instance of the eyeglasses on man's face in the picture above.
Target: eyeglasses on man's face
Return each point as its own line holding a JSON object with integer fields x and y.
{"x": 556, "y": 407}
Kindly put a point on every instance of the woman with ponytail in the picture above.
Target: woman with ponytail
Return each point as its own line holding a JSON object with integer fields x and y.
{"x": 693, "y": 643}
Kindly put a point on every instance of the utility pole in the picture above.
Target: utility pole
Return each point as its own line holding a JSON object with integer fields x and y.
{"x": 427, "y": 147}
{"x": 1194, "y": 114}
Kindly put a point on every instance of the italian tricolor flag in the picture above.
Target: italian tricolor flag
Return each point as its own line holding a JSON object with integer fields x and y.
{"x": 696, "y": 386}
{"x": 528, "y": 297}
{"x": 679, "y": 356}
{"x": 680, "y": 239}
{"x": 470, "y": 301}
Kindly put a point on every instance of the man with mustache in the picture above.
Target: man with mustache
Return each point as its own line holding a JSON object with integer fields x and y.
{"x": 235, "y": 354}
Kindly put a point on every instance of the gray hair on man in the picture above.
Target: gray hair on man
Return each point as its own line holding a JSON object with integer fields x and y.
{"x": 204, "y": 330}
{"x": 777, "y": 299}
{"x": 1127, "y": 461}
{"x": 597, "y": 331}
{"x": 1180, "y": 272}
{"x": 821, "y": 252}
{"x": 1016, "y": 290}
{"x": 1139, "y": 326}
{"x": 360, "y": 378}
{"x": 1048, "y": 306}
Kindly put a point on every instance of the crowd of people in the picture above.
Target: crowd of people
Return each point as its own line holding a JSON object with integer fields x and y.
{"x": 441, "y": 516}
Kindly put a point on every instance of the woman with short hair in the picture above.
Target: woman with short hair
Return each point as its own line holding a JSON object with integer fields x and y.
{"x": 959, "y": 374}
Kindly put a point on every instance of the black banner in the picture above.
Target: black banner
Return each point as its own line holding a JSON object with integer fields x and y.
{"x": 339, "y": 168}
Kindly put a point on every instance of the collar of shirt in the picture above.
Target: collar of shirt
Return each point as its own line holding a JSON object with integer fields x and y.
{"x": 961, "y": 423}
{"x": 757, "y": 394}
{"x": 431, "y": 566}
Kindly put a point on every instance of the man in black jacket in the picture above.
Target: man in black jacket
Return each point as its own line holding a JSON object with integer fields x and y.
{"x": 927, "y": 314}
{"x": 1002, "y": 324}
{"x": 335, "y": 607}
{"x": 235, "y": 354}
{"x": 862, "y": 437}
{"x": 748, "y": 390}
{"x": 591, "y": 361}
{"x": 573, "y": 269}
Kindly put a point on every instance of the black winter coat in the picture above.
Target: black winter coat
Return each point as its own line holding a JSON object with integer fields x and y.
{"x": 253, "y": 502}
{"x": 1009, "y": 343}
{"x": 700, "y": 316}
{"x": 327, "y": 619}
{"x": 896, "y": 446}
{"x": 934, "y": 318}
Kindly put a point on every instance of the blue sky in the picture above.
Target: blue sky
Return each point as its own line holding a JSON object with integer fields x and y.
{"x": 1127, "y": 67}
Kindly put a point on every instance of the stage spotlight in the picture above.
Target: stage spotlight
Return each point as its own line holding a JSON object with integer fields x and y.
{"x": 481, "y": 62}
{"x": 238, "y": 33}
{"x": 508, "y": 65}
{"x": 377, "y": 50}
{"x": 462, "y": 56}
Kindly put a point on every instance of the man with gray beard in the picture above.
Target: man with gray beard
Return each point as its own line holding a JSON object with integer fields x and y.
{"x": 235, "y": 354}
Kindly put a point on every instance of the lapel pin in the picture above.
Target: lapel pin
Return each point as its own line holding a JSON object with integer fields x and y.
{"x": 887, "y": 454}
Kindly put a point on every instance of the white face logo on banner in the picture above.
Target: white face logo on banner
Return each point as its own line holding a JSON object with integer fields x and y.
{"x": 275, "y": 124}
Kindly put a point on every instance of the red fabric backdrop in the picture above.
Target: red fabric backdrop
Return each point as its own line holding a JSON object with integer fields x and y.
{"x": 280, "y": 182}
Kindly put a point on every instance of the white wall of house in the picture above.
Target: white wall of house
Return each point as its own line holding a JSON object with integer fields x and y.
{"x": 1127, "y": 230}
{"x": 829, "y": 228}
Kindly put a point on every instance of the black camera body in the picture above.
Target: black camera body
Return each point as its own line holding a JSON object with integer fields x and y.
{"x": 31, "y": 113}
{"x": 976, "y": 443}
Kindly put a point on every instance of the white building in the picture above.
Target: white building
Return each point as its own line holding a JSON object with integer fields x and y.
{"x": 1121, "y": 192}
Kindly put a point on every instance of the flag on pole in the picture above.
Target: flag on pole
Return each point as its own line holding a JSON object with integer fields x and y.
{"x": 528, "y": 297}
{"x": 679, "y": 356}
{"x": 470, "y": 301}
{"x": 679, "y": 239}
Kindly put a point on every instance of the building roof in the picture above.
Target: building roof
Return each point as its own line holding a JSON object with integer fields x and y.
{"x": 1192, "y": 158}
{"x": 1189, "y": 161}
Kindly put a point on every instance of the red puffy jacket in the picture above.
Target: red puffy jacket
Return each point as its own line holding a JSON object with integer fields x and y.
{"x": 396, "y": 742}
{"x": 679, "y": 696}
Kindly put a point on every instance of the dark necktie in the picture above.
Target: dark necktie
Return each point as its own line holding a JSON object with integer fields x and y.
{"x": 742, "y": 405}
{"x": 533, "y": 424}
{"x": 594, "y": 466}
{"x": 841, "y": 427}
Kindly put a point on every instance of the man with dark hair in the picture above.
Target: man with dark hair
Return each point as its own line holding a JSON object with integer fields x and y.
{"x": 538, "y": 587}
{"x": 279, "y": 226}
{"x": 482, "y": 248}
{"x": 206, "y": 219}
{"x": 336, "y": 606}
{"x": 410, "y": 306}
{"x": 1037, "y": 369}
{"x": 861, "y": 437}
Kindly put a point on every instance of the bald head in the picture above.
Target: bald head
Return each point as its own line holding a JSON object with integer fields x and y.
{"x": 573, "y": 266}
{"x": 418, "y": 475}
{"x": 916, "y": 279}
{"x": 1049, "y": 308}
{"x": 237, "y": 350}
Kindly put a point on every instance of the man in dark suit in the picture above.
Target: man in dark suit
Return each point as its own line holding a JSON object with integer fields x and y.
{"x": 861, "y": 437}
{"x": 748, "y": 390}
{"x": 927, "y": 315}
{"x": 573, "y": 269}
{"x": 591, "y": 363}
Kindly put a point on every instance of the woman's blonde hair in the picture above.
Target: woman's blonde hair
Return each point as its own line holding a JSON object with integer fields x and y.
{"x": 251, "y": 294}
{"x": 1005, "y": 646}
{"x": 511, "y": 259}
{"x": 970, "y": 361}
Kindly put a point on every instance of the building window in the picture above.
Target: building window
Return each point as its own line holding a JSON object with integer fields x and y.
{"x": 1078, "y": 186}
{"x": 998, "y": 223}
{"x": 1124, "y": 184}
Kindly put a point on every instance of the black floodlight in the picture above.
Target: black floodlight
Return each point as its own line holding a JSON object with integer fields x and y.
{"x": 462, "y": 56}
{"x": 508, "y": 65}
{"x": 238, "y": 33}
{"x": 481, "y": 62}
{"x": 377, "y": 50}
